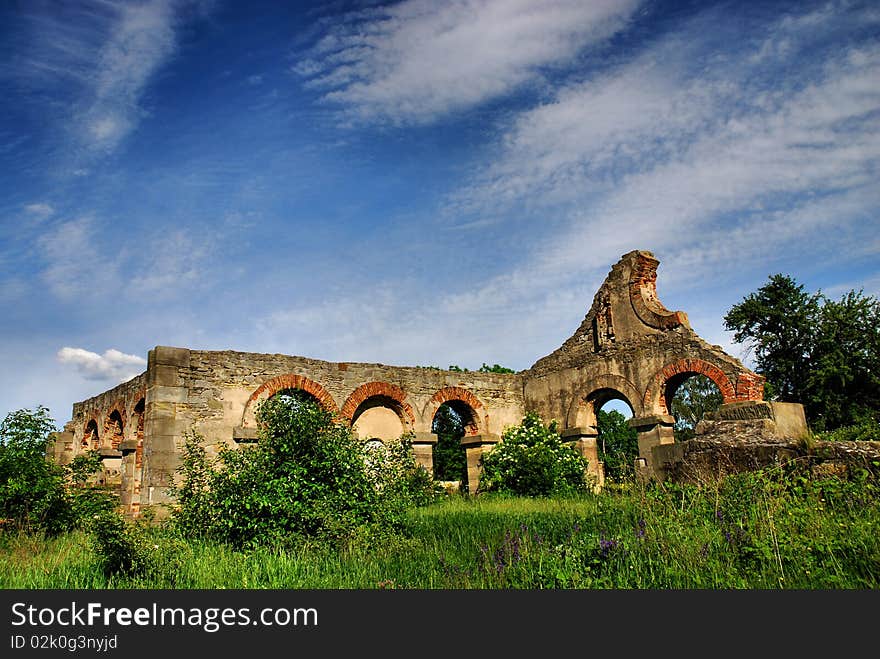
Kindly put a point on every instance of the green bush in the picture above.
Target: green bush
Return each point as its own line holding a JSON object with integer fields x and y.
{"x": 36, "y": 494}
{"x": 306, "y": 478}
{"x": 867, "y": 430}
{"x": 119, "y": 543}
{"x": 532, "y": 460}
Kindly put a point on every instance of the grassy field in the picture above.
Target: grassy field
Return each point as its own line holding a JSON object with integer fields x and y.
{"x": 748, "y": 532}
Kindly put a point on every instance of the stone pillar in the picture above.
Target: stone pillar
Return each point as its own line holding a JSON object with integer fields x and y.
{"x": 475, "y": 446}
{"x": 111, "y": 462}
{"x": 126, "y": 492}
{"x": 584, "y": 441}
{"x": 164, "y": 424}
{"x": 653, "y": 431}
{"x": 423, "y": 449}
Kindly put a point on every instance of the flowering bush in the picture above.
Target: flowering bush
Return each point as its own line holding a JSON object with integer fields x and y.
{"x": 532, "y": 460}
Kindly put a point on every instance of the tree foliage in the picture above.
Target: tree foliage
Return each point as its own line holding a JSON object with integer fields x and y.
{"x": 450, "y": 460}
{"x": 618, "y": 444}
{"x": 36, "y": 494}
{"x": 814, "y": 350}
{"x": 307, "y": 477}
{"x": 693, "y": 398}
{"x": 532, "y": 460}
{"x": 485, "y": 368}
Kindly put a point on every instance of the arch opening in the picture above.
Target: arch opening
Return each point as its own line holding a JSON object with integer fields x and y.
{"x": 688, "y": 397}
{"x": 290, "y": 397}
{"x": 113, "y": 430}
{"x": 617, "y": 442}
{"x": 379, "y": 418}
{"x": 449, "y": 460}
{"x": 90, "y": 436}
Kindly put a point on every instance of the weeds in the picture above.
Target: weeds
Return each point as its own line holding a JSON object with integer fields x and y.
{"x": 776, "y": 529}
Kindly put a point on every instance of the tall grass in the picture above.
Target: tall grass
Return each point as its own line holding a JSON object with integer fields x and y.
{"x": 748, "y": 531}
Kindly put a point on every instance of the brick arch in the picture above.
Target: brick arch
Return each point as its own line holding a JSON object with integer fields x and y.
{"x": 97, "y": 442}
{"x": 654, "y": 398}
{"x": 476, "y": 425}
{"x": 280, "y": 383}
{"x": 579, "y": 412}
{"x": 643, "y": 295}
{"x": 384, "y": 389}
{"x": 118, "y": 407}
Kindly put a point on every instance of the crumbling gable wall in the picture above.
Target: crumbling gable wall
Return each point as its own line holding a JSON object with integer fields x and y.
{"x": 631, "y": 347}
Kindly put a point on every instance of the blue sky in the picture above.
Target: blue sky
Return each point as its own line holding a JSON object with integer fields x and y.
{"x": 414, "y": 183}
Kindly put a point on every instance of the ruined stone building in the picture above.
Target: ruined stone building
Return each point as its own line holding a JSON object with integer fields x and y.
{"x": 629, "y": 347}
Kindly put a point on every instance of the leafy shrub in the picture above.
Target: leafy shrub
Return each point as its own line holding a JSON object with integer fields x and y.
{"x": 36, "y": 494}
{"x": 867, "y": 430}
{"x": 532, "y": 460}
{"x": 119, "y": 543}
{"x": 307, "y": 477}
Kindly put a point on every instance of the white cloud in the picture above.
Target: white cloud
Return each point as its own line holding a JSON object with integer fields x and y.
{"x": 39, "y": 211}
{"x": 419, "y": 59}
{"x": 140, "y": 40}
{"x": 113, "y": 365}
{"x": 74, "y": 263}
{"x": 99, "y": 58}
{"x": 720, "y": 169}
{"x": 175, "y": 261}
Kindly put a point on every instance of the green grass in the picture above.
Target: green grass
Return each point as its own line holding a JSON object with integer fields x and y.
{"x": 748, "y": 532}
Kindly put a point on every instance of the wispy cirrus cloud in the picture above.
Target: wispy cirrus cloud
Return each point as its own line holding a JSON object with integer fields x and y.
{"x": 96, "y": 59}
{"x": 112, "y": 365}
{"x": 74, "y": 262}
{"x": 767, "y": 151}
{"x": 39, "y": 211}
{"x": 417, "y": 60}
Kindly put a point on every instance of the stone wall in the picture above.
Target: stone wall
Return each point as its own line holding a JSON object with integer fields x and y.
{"x": 629, "y": 346}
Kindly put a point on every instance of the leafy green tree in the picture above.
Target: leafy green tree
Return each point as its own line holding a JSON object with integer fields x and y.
{"x": 693, "y": 398}
{"x": 32, "y": 493}
{"x": 36, "y": 494}
{"x": 843, "y": 386}
{"x": 485, "y": 368}
{"x": 495, "y": 368}
{"x": 820, "y": 352}
{"x": 618, "y": 444}
{"x": 307, "y": 477}
{"x": 777, "y": 323}
{"x": 532, "y": 460}
{"x": 450, "y": 460}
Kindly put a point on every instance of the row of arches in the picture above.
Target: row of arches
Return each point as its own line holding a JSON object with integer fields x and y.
{"x": 122, "y": 450}
{"x": 376, "y": 410}
{"x": 679, "y": 392}
{"x": 111, "y": 431}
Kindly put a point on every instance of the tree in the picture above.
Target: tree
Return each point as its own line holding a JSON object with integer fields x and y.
{"x": 820, "y": 352}
{"x": 532, "y": 460}
{"x": 777, "y": 323}
{"x": 495, "y": 368}
{"x": 618, "y": 443}
{"x": 450, "y": 460}
{"x": 843, "y": 385}
{"x": 693, "y": 398}
{"x": 36, "y": 494}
